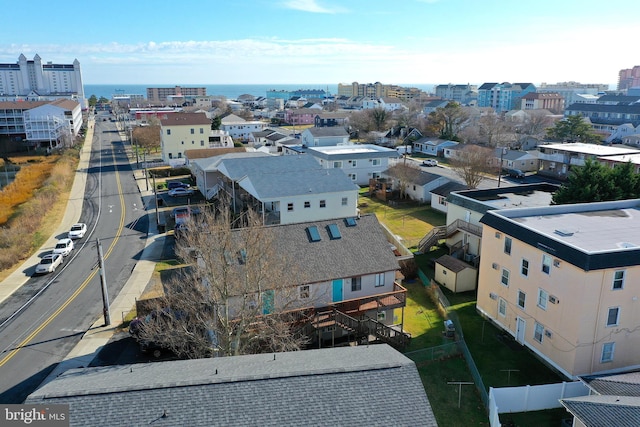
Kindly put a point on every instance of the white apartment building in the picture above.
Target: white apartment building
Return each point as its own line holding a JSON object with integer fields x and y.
{"x": 34, "y": 80}
{"x": 239, "y": 128}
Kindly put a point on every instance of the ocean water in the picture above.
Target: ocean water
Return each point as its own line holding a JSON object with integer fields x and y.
{"x": 228, "y": 91}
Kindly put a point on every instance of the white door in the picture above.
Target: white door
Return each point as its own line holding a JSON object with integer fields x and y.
{"x": 521, "y": 326}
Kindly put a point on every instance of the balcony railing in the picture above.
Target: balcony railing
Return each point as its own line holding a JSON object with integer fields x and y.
{"x": 394, "y": 299}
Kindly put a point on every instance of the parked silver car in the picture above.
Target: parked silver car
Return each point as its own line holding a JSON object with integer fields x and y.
{"x": 49, "y": 263}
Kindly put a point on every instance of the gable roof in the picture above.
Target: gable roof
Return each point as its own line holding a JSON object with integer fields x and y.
{"x": 414, "y": 175}
{"x": 362, "y": 249}
{"x": 327, "y": 131}
{"x": 622, "y": 384}
{"x": 204, "y": 153}
{"x": 446, "y": 189}
{"x": 605, "y": 411}
{"x": 291, "y": 388}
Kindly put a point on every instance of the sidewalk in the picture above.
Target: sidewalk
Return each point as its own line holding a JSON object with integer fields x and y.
{"x": 98, "y": 335}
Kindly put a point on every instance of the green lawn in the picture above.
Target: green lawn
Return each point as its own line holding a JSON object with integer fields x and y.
{"x": 409, "y": 220}
{"x": 499, "y": 361}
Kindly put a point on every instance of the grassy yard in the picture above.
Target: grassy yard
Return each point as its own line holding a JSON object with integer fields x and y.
{"x": 408, "y": 220}
{"x": 500, "y": 361}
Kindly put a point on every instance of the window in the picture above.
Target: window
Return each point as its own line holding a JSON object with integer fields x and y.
{"x": 618, "y": 279}
{"x": 543, "y": 297}
{"x": 356, "y": 284}
{"x": 521, "y": 299}
{"x": 168, "y": 131}
{"x": 507, "y": 245}
{"x": 192, "y": 131}
{"x": 354, "y": 163}
{"x": 546, "y": 264}
{"x": 345, "y": 201}
{"x": 607, "y": 352}
{"x": 290, "y": 207}
{"x": 201, "y": 143}
{"x": 502, "y": 307}
{"x": 524, "y": 268}
{"x": 613, "y": 316}
{"x": 337, "y": 165}
{"x": 323, "y": 203}
{"x": 379, "y": 279}
{"x": 382, "y": 316}
{"x": 201, "y": 131}
{"x": 307, "y": 204}
{"x": 182, "y": 142}
{"x": 353, "y": 177}
{"x": 375, "y": 162}
{"x": 505, "y": 277}
{"x": 538, "y": 332}
{"x": 304, "y": 292}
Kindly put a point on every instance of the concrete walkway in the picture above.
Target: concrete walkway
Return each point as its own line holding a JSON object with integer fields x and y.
{"x": 98, "y": 334}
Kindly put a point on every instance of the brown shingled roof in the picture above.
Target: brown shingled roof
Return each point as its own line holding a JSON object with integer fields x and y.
{"x": 185, "y": 119}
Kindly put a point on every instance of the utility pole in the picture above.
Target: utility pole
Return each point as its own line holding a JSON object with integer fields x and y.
{"x": 103, "y": 282}
{"x": 503, "y": 151}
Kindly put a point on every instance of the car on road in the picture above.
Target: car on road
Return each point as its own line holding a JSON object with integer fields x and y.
{"x": 49, "y": 263}
{"x": 180, "y": 192}
{"x": 77, "y": 231}
{"x": 430, "y": 162}
{"x": 515, "y": 173}
{"x": 63, "y": 247}
{"x": 177, "y": 184}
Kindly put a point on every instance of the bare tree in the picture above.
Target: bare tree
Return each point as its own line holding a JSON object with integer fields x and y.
{"x": 472, "y": 163}
{"x": 361, "y": 121}
{"x": 146, "y": 137}
{"x": 536, "y": 123}
{"x": 448, "y": 120}
{"x": 406, "y": 174}
{"x": 493, "y": 130}
{"x": 238, "y": 295}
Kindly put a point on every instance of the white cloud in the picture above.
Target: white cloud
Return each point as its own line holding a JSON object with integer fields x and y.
{"x": 311, "y": 6}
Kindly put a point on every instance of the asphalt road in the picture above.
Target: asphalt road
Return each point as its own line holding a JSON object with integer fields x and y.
{"x": 63, "y": 305}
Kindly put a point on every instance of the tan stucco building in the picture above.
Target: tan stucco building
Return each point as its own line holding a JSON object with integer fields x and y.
{"x": 563, "y": 280}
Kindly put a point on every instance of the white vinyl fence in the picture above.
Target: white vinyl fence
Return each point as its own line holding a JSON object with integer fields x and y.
{"x": 531, "y": 398}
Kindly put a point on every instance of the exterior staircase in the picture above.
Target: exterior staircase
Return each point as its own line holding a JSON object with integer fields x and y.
{"x": 442, "y": 232}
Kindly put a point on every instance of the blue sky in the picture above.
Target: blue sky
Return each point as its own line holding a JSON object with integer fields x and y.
{"x": 329, "y": 41}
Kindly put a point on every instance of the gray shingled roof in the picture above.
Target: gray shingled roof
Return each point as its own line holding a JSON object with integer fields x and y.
{"x": 446, "y": 189}
{"x": 270, "y": 185}
{"x": 362, "y": 385}
{"x": 235, "y": 168}
{"x": 327, "y": 131}
{"x": 605, "y": 411}
{"x": 362, "y": 249}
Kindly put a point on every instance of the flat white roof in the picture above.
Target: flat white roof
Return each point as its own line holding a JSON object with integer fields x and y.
{"x": 594, "y": 149}
{"x": 590, "y": 227}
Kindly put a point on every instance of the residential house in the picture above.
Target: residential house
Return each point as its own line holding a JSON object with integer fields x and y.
{"x": 417, "y": 183}
{"x": 360, "y": 162}
{"x": 300, "y": 116}
{"x": 440, "y": 194}
{"x": 285, "y": 189}
{"x": 610, "y": 112}
{"x": 465, "y": 209}
{"x": 268, "y": 389}
{"x": 556, "y": 160}
{"x": 560, "y": 280}
{"x": 503, "y": 96}
{"x": 614, "y": 399}
{"x": 271, "y": 139}
{"x": 240, "y": 128}
{"x": 51, "y": 121}
{"x": 180, "y": 132}
{"x": 324, "y": 136}
{"x": 330, "y": 119}
{"x": 432, "y": 146}
{"x": 613, "y": 161}
{"x": 432, "y": 106}
{"x": 505, "y": 158}
{"x": 621, "y": 133}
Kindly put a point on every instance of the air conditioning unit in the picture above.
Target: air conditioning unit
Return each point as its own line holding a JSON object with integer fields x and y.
{"x": 553, "y": 299}
{"x": 548, "y": 333}
{"x": 468, "y": 257}
{"x": 494, "y": 266}
{"x": 493, "y": 296}
{"x": 498, "y": 235}
{"x": 556, "y": 263}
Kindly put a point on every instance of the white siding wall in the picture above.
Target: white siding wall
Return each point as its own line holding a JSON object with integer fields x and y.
{"x": 333, "y": 207}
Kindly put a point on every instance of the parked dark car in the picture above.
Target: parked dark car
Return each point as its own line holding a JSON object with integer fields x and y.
{"x": 515, "y": 173}
{"x": 176, "y": 184}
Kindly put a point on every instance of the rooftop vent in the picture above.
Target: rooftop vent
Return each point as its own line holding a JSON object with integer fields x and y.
{"x": 626, "y": 245}
{"x": 564, "y": 232}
